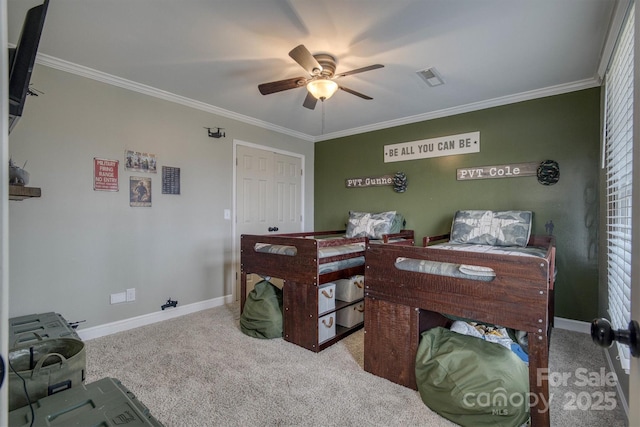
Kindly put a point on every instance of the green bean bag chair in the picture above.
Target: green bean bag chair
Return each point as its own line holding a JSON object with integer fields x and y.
{"x": 262, "y": 314}
{"x": 470, "y": 381}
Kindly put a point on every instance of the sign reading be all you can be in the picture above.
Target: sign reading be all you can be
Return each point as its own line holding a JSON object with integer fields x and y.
{"x": 463, "y": 143}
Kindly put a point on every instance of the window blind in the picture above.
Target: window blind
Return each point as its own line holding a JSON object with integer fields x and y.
{"x": 618, "y": 166}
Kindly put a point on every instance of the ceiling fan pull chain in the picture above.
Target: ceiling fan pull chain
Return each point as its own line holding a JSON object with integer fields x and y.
{"x": 322, "y": 130}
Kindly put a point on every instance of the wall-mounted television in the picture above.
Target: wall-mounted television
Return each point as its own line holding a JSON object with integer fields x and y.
{"x": 22, "y": 59}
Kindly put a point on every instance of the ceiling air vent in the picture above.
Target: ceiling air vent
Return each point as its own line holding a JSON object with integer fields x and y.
{"x": 431, "y": 77}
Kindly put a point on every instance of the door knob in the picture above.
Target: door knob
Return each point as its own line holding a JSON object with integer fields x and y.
{"x": 604, "y": 335}
{"x": 273, "y": 228}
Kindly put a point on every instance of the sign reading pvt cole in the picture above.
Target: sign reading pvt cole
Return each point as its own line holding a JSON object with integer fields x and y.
{"x": 499, "y": 171}
{"x": 105, "y": 174}
{"x": 463, "y": 143}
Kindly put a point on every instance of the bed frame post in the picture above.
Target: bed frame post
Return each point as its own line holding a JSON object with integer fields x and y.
{"x": 391, "y": 335}
{"x": 243, "y": 289}
{"x": 538, "y": 379}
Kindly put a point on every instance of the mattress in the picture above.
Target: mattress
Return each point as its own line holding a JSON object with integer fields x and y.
{"x": 448, "y": 269}
{"x": 323, "y": 252}
{"x": 489, "y": 249}
{"x": 472, "y": 272}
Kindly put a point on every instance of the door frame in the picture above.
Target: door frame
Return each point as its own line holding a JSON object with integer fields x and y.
{"x": 4, "y": 218}
{"x": 235, "y": 239}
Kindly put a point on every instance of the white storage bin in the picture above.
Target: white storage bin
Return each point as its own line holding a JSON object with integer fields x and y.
{"x": 350, "y": 316}
{"x": 326, "y": 327}
{"x": 326, "y": 297}
{"x": 351, "y": 289}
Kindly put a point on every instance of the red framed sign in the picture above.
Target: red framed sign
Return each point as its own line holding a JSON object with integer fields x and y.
{"x": 105, "y": 174}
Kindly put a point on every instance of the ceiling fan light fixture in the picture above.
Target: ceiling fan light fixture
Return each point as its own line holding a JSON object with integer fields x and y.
{"x": 322, "y": 88}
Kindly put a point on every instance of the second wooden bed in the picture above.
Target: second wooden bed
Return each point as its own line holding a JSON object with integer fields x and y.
{"x": 400, "y": 304}
{"x": 304, "y": 261}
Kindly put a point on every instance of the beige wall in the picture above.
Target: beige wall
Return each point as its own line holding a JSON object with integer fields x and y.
{"x": 73, "y": 247}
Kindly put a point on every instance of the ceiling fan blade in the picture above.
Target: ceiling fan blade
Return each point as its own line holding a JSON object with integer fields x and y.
{"x": 280, "y": 85}
{"x": 359, "y": 70}
{"x": 353, "y": 92}
{"x": 310, "y": 101}
{"x": 302, "y": 56}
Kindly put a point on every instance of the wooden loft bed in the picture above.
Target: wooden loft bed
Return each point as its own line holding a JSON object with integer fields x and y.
{"x": 400, "y": 305}
{"x": 305, "y": 261}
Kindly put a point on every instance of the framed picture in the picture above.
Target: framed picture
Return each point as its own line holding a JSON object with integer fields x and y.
{"x": 139, "y": 162}
{"x": 105, "y": 174}
{"x": 139, "y": 191}
{"x": 170, "y": 180}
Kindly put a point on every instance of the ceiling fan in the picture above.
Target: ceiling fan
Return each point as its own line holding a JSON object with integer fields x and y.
{"x": 320, "y": 85}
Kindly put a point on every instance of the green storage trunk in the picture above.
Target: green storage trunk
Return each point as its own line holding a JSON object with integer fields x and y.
{"x": 105, "y": 402}
{"x": 25, "y": 329}
{"x": 45, "y": 367}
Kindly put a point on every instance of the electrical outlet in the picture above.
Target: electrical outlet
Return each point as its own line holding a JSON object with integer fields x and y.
{"x": 118, "y": 298}
{"x": 131, "y": 294}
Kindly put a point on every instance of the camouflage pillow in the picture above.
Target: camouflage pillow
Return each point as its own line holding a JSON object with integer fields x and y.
{"x": 397, "y": 224}
{"x": 503, "y": 228}
{"x": 380, "y": 223}
{"x": 358, "y": 224}
{"x": 373, "y": 226}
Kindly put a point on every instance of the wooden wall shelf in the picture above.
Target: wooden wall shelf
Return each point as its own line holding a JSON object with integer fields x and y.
{"x": 19, "y": 192}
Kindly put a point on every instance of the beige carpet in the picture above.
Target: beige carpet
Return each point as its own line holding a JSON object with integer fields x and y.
{"x": 200, "y": 370}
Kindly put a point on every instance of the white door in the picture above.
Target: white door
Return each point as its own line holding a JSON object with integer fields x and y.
{"x": 268, "y": 197}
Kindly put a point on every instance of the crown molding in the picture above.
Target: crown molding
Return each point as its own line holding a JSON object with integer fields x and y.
{"x": 69, "y": 67}
{"x": 90, "y": 73}
{"x": 495, "y": 102}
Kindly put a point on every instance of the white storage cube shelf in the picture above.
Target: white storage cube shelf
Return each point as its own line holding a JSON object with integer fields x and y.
{"x": 326, "y": 327}
{"x": 351, "y": 289}
{"x": 326, "y": 297}
{"x": 350, "y": 316}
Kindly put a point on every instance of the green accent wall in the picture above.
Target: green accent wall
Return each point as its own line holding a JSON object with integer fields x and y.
{"x": 564, "y": 128}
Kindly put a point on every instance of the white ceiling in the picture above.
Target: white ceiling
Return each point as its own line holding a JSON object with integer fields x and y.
{"x": 212, "y": 54}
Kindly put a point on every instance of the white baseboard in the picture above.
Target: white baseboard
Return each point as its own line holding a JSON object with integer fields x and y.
{"x": 572, "y": 325}
{"x": 170, "y": 313}
{"x": 148, "y": 319}
{"x": 621, "y": 396}
{"x": 585, "y": 327}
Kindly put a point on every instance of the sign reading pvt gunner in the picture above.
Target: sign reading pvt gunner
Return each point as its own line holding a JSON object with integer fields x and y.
{"x": 463, "y": 143}
{"x": 369, "y": 181}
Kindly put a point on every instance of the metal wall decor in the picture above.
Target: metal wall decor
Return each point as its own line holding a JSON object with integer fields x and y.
{"x": 105, "y": 174}
{"x": 139, "y": 191}
{"x": 170, "y": 180}
{"x": 400, "y": 182}
{"x": 548, "y": 172}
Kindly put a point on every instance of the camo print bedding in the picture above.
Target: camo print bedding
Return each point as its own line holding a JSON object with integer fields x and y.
{"x": 499, "y": 250}
{"x": 495, "y": 228}
{"x": 322, "y": 253}
{"x": 325, "y": 252}
{"x": 448, "y": 269}
{"x": 373, "y": 225}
